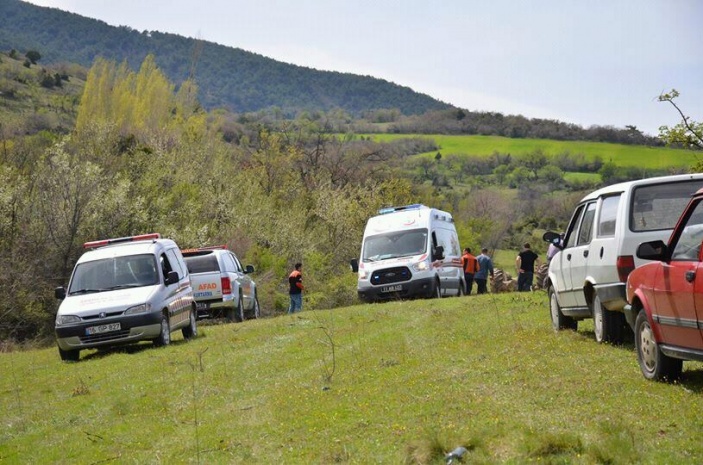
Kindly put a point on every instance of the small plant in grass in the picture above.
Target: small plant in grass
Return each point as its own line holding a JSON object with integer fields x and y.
{"x": 81, "y": 390}
{"x": 547, "y": 445}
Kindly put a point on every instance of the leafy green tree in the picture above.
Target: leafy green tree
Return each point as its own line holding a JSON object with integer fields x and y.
{"x": 687, "y": 133}
{"x": 33, "y": 56}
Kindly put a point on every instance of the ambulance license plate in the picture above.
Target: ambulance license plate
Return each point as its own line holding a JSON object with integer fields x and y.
{"x": 396, "y": 288}
{"x": 102, "y": 329}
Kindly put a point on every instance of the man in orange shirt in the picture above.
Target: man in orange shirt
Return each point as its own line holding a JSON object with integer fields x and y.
{"x": 295, "y": 280}
{"x": 470, "y": 266}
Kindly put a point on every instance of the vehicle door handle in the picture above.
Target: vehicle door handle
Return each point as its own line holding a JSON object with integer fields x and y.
{"x": 568, "y": 256}
{"x": 690, "y": 276}
{"x": 585, "y": 253}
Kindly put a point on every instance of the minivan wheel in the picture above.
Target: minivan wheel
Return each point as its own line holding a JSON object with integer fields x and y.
{"x": 559, "y": 320}
{"x": 164, "y": 338}
{"x": 69, "y": 355}
{"x": 653, "y": 363}
{"x": 190, "y": 331}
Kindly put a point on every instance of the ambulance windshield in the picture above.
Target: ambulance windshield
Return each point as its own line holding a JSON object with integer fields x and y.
{"x": 394, "y": 244}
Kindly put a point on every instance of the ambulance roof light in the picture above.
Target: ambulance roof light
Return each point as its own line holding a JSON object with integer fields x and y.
{"x": 104, "y": 242}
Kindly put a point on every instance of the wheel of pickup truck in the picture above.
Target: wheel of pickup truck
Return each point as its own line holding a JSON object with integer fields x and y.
{"x": 239, "y": 311}
{"x": 236, "y": 314}
{"x": 69, "y": 355}
{"x": 256, "y": 311}
{"x": 164, "y": 338}
{"x": 190, "y": 331}
{"x": 654, "y": 364}
{"x": 608, "y": 326}
{"x": 559, "y": 320}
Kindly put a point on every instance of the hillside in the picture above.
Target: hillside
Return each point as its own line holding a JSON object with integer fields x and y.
{"x": 231, "y": 78}
{"x": 401, "y": 382}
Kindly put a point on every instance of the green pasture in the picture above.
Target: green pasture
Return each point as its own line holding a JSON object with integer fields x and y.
{"x": 620, "y": 154}
{"x": 392, "y": 383}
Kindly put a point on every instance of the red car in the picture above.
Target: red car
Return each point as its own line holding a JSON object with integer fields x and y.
{"x": 666, "y": 298}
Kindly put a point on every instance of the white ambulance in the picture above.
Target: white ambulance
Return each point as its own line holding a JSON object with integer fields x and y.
{"x": 409, "y": 251}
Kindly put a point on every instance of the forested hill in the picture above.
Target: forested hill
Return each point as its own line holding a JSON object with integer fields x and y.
{"x": 231, "y": 78}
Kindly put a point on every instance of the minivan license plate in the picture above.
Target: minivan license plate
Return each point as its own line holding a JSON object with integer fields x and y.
{"x": 395, "y": 288}
{"x": 102, "y": 329}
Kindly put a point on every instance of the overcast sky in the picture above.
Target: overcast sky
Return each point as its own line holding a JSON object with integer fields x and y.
{"x": 587, "y": 62}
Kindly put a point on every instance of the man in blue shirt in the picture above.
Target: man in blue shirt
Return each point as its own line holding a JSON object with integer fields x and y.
{"x": 485, "y": 268}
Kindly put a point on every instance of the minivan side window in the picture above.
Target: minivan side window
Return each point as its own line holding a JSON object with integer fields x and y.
{"x": 586, "y": 229}
{"x": 570, "y": 239}
{"x": 608, "y": 216}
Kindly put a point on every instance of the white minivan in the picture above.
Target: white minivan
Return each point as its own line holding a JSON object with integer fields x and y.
{"x": 587, "y": 277}
{"x": 122, "y": 291}
{"x": 409, "y": 251}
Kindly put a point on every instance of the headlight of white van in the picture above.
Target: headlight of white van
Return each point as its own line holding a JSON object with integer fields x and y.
{"x": 363, "y": 274}
{"x": 67, "y": 319}
{"x": 142, "y": 308}
{"x": 421, "y": 266}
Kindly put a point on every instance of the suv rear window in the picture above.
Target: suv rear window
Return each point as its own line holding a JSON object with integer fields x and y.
{"x": 202, "y": 263}
{"x": 659, "y": 206}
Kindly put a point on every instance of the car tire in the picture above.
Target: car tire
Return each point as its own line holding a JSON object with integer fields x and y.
{"x": 69, "y": 355}
{"x": 653, "y": 363}
{"x": 559, "y": 320}
{"x": 191, "y": 331}
{"x": 436, "y": 291}
{"x": 164, "y": 338}
{"x": 256, "y": 311}
{"x": 239, "y": 311}
{"x": 608, "y": 326}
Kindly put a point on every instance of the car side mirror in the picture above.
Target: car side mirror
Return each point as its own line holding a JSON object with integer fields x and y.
{"x": 249, "y": 269}
{"x": 171, "y": 278}
{"x": 354, "y": 264}
{"x": 653, "y": 250}
{"x": 60, "y": 293}
{"x": 553, "y": 238}
{"x": 438, "y": 253}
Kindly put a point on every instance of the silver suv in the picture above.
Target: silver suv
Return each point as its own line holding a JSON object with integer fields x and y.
{"x": 587, "y": 276}
{"x": 221, "y": 286}
{"x": 122, "y": 291}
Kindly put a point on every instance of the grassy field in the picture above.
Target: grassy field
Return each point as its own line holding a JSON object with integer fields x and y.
{"x": 402, "y": 382}
{"x": 622, "y": 155}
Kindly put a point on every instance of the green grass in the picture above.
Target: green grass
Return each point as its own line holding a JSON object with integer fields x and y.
{"x": 622, "y": 155}
{"x": 401, "y": 382}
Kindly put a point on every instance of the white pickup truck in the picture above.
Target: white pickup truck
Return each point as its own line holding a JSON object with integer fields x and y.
{"x": 221, "y": 286}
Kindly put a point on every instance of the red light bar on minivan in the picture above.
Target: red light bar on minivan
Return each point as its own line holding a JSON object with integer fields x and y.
{"x": 101, "y": 243}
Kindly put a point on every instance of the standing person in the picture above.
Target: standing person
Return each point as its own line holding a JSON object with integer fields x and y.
{"x": 295, "y": 281}
{"x": 485, "y": 268}
{"x": 525, "y": 263}
{"x": 470, "y": 266}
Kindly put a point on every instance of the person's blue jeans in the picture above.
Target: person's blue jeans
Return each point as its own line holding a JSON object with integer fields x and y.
{"x": 296, "y": 303}
{"x": 524, "y": 281}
